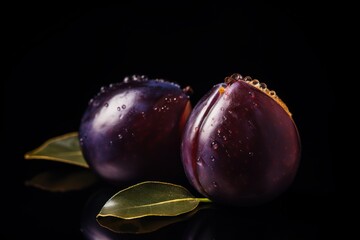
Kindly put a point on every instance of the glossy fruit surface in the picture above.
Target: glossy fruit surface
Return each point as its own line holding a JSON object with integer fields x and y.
{"x": 131, "y": 131}
{"x": 90, "y": 227}
{"x": 240, "y": 144}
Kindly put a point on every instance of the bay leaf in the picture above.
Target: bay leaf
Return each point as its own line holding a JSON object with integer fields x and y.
{"x": 64, "y": 148}
{"x": 63, "y": 181}
{"x": 151, "y": 198}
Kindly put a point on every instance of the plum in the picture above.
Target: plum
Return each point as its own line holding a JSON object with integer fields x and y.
{"x": 131, "y": 130}
{"x": 240, "y": 144}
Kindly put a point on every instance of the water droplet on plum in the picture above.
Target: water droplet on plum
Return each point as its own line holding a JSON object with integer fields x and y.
{"x": 214, "y": 145}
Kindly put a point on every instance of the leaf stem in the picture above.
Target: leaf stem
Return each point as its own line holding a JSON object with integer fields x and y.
{"x": 206, "y": 200}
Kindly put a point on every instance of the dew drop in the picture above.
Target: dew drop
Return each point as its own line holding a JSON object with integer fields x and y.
{"x": 118, "y": 108}
{"x": 143, "y": 78}
{"x": 155, "y": 108}
{"x": 199, "y": 161}
{"x": 251, "y": 94}
{"x": 224, "y": 118}
{"x": 222, "y": 109}
{"x": 102, "y": 89}
{"x": 81, "y": 141}
{"x": 111, "y": 142}
{"x": 196, "y": 129}
{"x": 247, "y": 78}
{"x": 120, "y": 116}
{"x": 120, "y": 136}
{"x": 215, "y": 185}
{"x": 224, "y": 137}
{"x": 126, "y": 79}
{"x": 212, "y": 158}
{"x": 214, "y": 145}
{"x": 188, "y": 90}
{"x": 263, "y": 85}
{"x": 175, "y": 98}
{"x": 111, "y": 85}
{"x": 123, "y": 106}
{"x": 255, "y": 82}
{"x": 106, "y": 105}
{"x": 135, "y": 78}
{"x": 236, "y": 76}
{"x": 91, "y": 101}
{"x": 251, "y": 154}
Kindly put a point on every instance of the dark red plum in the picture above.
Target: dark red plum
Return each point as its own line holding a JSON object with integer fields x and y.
{"x": 240, "y": 145}
{"x": 131, "y": 131}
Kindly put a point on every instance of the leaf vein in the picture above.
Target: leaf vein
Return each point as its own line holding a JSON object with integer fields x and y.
{"x": 162, "y": 202}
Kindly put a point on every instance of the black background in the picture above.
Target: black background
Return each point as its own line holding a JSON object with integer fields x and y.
{"x": 60, "y": 56}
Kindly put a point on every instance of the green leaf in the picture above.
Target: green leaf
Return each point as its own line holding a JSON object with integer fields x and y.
{"x": 143, "y": 225}
{"x": 63, "y": 181}
{"x": 64, "y": 148}
{"x": 150, "y": 198}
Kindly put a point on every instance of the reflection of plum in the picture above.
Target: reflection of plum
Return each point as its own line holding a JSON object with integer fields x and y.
{"x": 92, "y": 230}
{"x": 89, "y": 226}
{"x": 131, "y": 131}
{"x": 237, "y": 224}
{"x": 240, "y": 144}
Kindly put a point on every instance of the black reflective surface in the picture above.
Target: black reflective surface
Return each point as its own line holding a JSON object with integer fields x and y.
{"x": 60, "y": 56}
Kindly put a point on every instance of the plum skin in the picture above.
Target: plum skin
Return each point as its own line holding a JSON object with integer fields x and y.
{"x": 132, "y": 130}
{"x": 240, "y": 146}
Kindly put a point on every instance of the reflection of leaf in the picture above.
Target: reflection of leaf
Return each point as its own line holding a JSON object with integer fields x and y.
{"x": 63, "y": 181}
{"x": 150, "y": 199}
{"x": 64, "y": 148}
{"x": 143, "y": 225}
